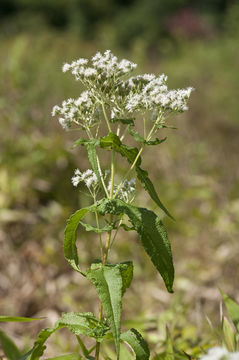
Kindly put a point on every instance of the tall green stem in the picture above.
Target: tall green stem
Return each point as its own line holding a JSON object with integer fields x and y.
{"x": 106, "y": 117}
{"x": 107, "y": 247}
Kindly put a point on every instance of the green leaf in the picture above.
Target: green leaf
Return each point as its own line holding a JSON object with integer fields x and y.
{"x": 135, "y": 340}
{"x": 232, "y": 308}
{"x": 16, "y": 319}
{"x": 84, "y": 324}
{"x": 229, "y": 339}
{"x": 140, "y": 139}
{"x": 10, "y": 349}
{"x": 148, "y": 225}
{"x": 70, "y": 249}
{"x": 112, "y": 141}
{"x": 169, "y": 346}
{"x": 152, "y": 232}
{"x": 142, "y": 175}
{"x": 88, "y": 227}
{"x": 129, "y": 121}
{"x": 66, "y": 357}
{"x": 78, "y": 323}
{"x": 92, "y": 156}
{"x": 111, "y": 282}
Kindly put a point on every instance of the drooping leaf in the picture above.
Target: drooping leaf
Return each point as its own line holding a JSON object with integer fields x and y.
{"x": 16, "y": 319}
{"x": 142, "y": 175}
{"x": 111, "y": 282}
{"x": 232, "y": 308}
{"x": 9, "y": 347}
{"x": 78, "y": 323}
{"x": 148, "y": 225}
{"x": 130, "y": 153}
{"x": 135, "y": 340}
{"x": 70, "y": 249}
{"x": 152, "y": 232}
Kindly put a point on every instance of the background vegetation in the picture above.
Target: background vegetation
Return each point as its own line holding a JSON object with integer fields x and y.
{"x": 196, "y": 170}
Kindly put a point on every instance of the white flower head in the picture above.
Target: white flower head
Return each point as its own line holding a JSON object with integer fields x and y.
{"x": 219, "y": 353}
{"x": 88, "y": 177}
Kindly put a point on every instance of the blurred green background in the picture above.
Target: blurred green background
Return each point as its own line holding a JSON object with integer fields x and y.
{"x": 196, "y": 173}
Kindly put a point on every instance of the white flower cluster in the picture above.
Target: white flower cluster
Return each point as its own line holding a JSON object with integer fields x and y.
{"x": 101, "y": 67}
{"x": 148, "y": 92}
{"x": 103, "y": 77}
{"x": 88, "y": 177}
{"x": 126, "y": 193}
{"x": 219, "y": 353}
{"x": 82, "y": 111}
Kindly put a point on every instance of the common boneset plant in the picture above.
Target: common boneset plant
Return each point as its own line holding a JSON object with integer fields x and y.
{"x": 114, "y": 99}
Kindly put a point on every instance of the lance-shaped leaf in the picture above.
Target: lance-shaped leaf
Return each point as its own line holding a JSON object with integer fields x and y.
{"x": 78, "y": 323}
{"x": 92, "y": 156}
{"x": 88, "y": 227}
{"x": 152, "y": 232}
{"x": 139, "y": 346}
{"x": 232, "y": 308}
{"x": 10, "y": 349}
{"x": 70, "y": 249}
{"x": 142, "y": 175}
{"x": 129, "y": 121}
{"x": 16, "y": 319}
{"x": 130, "y": 153}
{"x": 140, "y": 139}
{"x": 111, "y": 282}
{"x": 66, "y": 357}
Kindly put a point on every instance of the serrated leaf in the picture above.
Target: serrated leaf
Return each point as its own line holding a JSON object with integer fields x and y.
{"x": 228, "y": 335}
{"x": 152, "y": 232}
{"x": 84, "y": 324}
{"x": 135, "y": 340}
{"x": 148, "y": 225}
{"x": 78, "y": 323}
{"x": 16, "y": 319}
{"x": 9, "y": 347}
{"x": 70, "y": 249}
{"x": 112, "y": 141}
{"x": 111, "y": 282}
{"x": 232, "y": 308}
